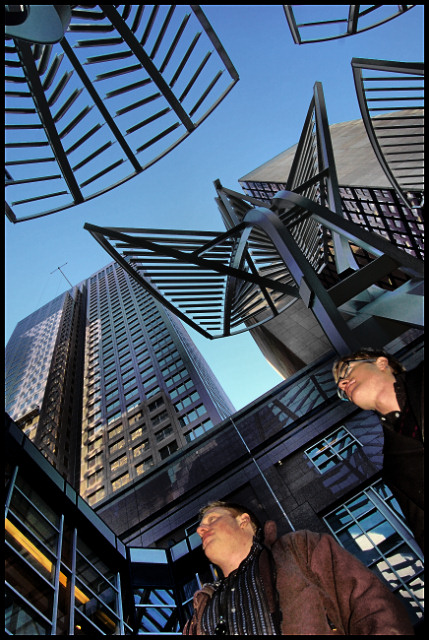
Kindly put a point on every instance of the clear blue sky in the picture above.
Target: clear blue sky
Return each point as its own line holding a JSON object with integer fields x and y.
{"x": 262, "y": 116}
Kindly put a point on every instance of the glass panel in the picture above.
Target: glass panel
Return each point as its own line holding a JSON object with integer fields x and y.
{"x": 355, "y": 541}
{"x": 336, "y": 436}
{"x": 29, "y": 584}
{"x": 30, "y": 548}
{"x": 156, "y": 611}
{"x": 402, "y": 563}
{"x": 414, "y": 599}
{"x": 84, "y": 627}
{"x": 21, "y": 620}
{"x": 327, "y": 465}
{"x": 34, "y": 521}
{"x": 95, "y": 582}
{"x": 359, "y": 505}
{"x": 338, "y": 519}
{"x": 96, "y": 561}
{"x": 95, "y": 610}
{"x": 180, "y": 549}
{"x": 34, "y": 497}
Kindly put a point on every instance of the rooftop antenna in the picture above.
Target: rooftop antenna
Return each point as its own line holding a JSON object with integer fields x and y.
{"x": 59, "y": 269}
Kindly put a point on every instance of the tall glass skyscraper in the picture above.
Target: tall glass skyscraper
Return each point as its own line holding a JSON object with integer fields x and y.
{"x": 105, "y": 374}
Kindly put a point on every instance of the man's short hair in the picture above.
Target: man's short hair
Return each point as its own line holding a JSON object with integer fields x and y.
{"x": 237, "y": 510}
{"x": 366, "y": 353}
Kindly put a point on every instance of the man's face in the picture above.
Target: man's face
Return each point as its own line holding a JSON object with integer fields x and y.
{"x": 222, "y": 533}
{"x": 363, "y": 380}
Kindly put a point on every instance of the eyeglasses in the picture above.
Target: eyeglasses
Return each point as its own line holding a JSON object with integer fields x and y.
{"x": 346, "y": 372}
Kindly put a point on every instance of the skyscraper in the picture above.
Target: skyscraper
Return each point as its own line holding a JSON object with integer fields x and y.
{"x": 129, "y": 376}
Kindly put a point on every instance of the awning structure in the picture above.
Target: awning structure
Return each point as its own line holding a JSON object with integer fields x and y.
{"x": 96, "y": 94}
{"x": 272, "y": 254}
{"x": 397, "y": 139}
{"x": 352, "y": 19}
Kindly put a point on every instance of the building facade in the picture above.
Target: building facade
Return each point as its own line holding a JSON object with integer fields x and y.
{"x": 147, "y": 392}
{"x": 367, "y": 199}
{"x": 107, "y": 384}
{"x": 297, "y": 455}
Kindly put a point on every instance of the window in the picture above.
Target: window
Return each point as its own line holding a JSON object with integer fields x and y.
{"x": 157, "y": 403}
{"x": 137, "y": 432}
{"x": 121, "y": 481}
{"x": 164, "y": 433}
{"x": 140, "y": 448}
{"x": 371, "y": 526}
{"x": 160, "y": 417}
{"x": 119, "y": 462}
{"x": 168, "y": 450}
{"x": 135, "y": 418}
{"x": 115, "y": 431}
{"x": 144, "y": 466}
{"x": 192, "y": 415}
{"x": 334, "y": 448}
{"x": 198, "y": 431}
{"x": 117, "y": 445}
{"x": 185, "y": 402}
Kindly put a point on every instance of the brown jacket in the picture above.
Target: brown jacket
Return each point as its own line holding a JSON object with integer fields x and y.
{"x": 323, "y": 590}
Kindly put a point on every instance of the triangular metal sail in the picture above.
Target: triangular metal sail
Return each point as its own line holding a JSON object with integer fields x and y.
{"x": 235, "y": 288}
{"x": 208, "y": 279}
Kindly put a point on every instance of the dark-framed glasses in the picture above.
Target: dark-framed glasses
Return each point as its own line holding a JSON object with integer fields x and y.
{"x": 346, "y": 370}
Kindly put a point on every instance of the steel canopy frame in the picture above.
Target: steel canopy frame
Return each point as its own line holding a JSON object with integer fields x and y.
{"x": 351, "y": 22}
{"x": 397, "y": 88}
{"x": 80, "y": 120}
{"x": 324, "y": 303}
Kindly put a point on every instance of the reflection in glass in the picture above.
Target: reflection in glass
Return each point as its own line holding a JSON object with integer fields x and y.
{"x": 156, "y": 611}
{"x": 21, "y": 620}
{"x": 371, "y": 527}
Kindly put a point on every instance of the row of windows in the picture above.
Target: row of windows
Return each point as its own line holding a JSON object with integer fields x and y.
{"x": 126, "y": 477}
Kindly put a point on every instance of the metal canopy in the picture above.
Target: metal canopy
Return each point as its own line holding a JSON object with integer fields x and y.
{"x": 356, "y": 19}
{"x": 397, "y": 138}
{"x": 216, "y": 281}
{"x": 213, "y": 281}
{"x": 122, "y": 88}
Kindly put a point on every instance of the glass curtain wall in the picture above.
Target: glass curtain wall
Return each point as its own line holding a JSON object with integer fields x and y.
{"x": 371, "y": 526}
{"x": 57, "y": 583}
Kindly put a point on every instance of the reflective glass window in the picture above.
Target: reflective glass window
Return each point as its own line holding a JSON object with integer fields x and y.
{"x": 372, "y": 527}
{"x": 334, "y": 448}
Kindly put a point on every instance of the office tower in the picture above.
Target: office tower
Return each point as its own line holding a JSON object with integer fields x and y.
{"x": 125, "y": 389}
{"x": 367, "y": 199}
{"x": 147, "y": 391}
{"x": 44, "y": 379}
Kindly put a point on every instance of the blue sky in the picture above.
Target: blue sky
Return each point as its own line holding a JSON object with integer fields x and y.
{"x": 261, "y": 117}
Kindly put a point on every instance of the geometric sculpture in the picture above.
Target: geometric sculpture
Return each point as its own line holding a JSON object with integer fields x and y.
{"x": 354, "y": 21}
{"x": 216, "y": 281}
{"x": 397, "y": 138}
{"x": 123, "y": 87}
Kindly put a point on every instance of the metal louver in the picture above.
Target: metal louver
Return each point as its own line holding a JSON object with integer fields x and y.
{"x": 122, "y": 88}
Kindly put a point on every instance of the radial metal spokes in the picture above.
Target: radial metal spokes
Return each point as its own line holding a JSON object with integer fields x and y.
{"x": 391, "y": 100}
{"x": 122, "y": 88}
{"x": 351, "y": 19}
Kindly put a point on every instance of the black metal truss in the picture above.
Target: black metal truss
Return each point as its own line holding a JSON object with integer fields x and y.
{"x": 122, "y": 88}
{"x": 398, "y": 137}
{"x": 214, "y": 282}
{"x": 379, "y": 210}
{"x": 356, "y": 20}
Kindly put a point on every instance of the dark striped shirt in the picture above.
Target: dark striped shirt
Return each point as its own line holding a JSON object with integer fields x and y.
{"x": 241, "y": 600}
